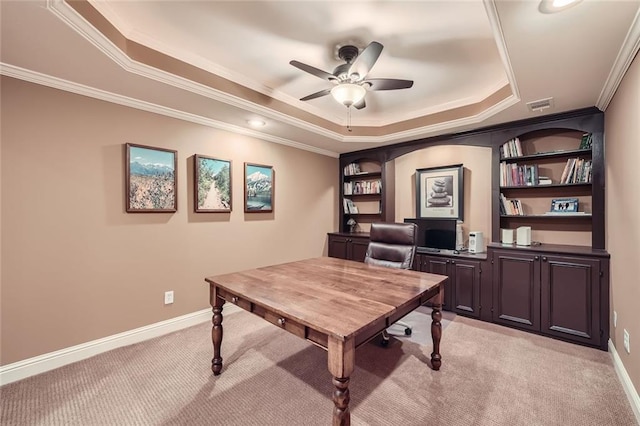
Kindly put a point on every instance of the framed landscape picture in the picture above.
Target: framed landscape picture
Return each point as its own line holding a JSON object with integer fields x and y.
{"x": 212, "y": 191}
{"x": 259, "y": 181}
{"x": 151, "y": 180}
{"x": 439, "y": 192}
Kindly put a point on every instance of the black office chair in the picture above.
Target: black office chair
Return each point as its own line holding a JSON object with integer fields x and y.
{"x": 392, "y": 245}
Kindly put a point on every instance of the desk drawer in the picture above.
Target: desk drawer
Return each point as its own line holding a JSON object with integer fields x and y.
{"x": 281, "y": 321}
{"x": 232, "y": 298}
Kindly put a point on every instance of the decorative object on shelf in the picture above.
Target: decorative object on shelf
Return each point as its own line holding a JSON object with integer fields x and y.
{"x": 564, "y": 205}
{"x": 523, "y": 236}
{"x": 439, "y": 192}
{"x": 259, "y": 183}
{"x": 352, "y": 225}
{"x": 506, "y": 236}
{"x": 212, "y": 180}
{"x": 151, "y": 181}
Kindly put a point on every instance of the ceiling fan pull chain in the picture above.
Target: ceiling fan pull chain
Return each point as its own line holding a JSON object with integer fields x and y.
{"x": 349, "y": 119}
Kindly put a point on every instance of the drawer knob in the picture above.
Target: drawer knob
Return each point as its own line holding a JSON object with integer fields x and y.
{"x": 234, "y": 299}
{"x": 281, "y": 322}
{"x": 536, "y": 258}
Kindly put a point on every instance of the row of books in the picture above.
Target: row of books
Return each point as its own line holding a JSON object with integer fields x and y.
{"x": 363, "y": 187}
{"x": 349, "y": 206}
{"x": 352, "y": 169}
{"x": 510, "y": 206}
{"x": 586, "y": 141}
{"x": 577, "y": 170}
{"x": 510, "y": 149}
{"x": 521, "y": 175}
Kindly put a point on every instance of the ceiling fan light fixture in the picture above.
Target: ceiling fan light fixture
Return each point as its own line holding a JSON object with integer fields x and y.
{"x": 554, "y": 6}
{"x": 348, "y": 93}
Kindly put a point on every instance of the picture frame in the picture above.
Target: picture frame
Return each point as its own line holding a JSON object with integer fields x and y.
{"x": 259, "y": 184}
{"x": 440, "y": 192}
{"x": 212, "y": 191}
{"x": 564, "y": 205}
{"x": 151, "y": 179}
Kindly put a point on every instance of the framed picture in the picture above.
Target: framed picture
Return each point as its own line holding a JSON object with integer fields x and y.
{"x": 151, "y": 180}
{"x": 212, "y": 191}
{"x": 564, "y": 205}
{"x": 259, "y": 182}
{"x": 439, "y": 192}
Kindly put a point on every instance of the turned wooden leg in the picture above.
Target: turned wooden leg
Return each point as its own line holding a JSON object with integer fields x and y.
{"x": 436, "y": 330}
{"x": 216, "y": 332}
{"x": 341, "y": 357}
{"x": 436, "y": 334}
{"x": 341, "y": 414}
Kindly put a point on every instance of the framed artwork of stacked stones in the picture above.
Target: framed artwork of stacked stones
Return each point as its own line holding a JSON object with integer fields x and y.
{"x": 439, "y": 192}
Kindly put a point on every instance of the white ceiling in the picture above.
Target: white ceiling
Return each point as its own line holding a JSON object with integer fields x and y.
{"x": 474, "y": 63}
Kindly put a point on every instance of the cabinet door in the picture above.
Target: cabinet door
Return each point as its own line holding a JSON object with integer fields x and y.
{"x": 358, "y": 249}
{"x": 338, "y": 246}
{"x": 464, "y": 280}
{"x": 571, "y": 298}
{"x": 440, "y": 266}
{"x": 516, "y": 289}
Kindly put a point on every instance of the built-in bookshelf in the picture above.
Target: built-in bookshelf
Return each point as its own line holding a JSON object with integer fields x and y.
{"x": 539, "y": 167}
{"x": 363, "y": 194}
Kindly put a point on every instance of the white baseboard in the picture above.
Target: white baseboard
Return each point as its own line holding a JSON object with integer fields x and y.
{"x": 52, "y": 360}
{"x": 629, "y": 389}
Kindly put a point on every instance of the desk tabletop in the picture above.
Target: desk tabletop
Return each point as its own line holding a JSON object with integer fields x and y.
{"x": 319, "y": 292}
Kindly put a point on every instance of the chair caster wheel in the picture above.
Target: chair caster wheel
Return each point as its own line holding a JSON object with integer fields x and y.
{"x": 384, "y": 343}
{"x": 407, "y": 332}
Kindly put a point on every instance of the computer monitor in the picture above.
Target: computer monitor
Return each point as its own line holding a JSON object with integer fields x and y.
{"x": 436, "y": 233}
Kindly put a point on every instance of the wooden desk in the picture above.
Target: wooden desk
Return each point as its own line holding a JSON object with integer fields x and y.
{"x": 334, "y": 303}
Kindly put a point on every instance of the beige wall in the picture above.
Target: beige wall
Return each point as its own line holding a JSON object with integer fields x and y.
{"x": 477, "y": 182}
{"x": 76, "y": 267}
{"x": 622, "y": 130}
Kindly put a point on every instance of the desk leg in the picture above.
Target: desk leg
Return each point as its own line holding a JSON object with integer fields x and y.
{"x": 436, "y": 330}
{"x": 341, "y": 359}
{"x": 216, "y": 330}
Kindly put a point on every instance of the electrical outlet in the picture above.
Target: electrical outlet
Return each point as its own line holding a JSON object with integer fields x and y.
{"x": 168, "y": 297}
{"x": 615, "y": 319}
{"x": 626, "y": 341}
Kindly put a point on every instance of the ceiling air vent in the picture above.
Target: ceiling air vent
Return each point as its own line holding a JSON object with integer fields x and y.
{"x": 540, "y": 104}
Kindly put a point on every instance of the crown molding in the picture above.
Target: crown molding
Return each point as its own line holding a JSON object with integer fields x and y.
{"x": 625, "y": 57}
{"x": 80, "y": 89}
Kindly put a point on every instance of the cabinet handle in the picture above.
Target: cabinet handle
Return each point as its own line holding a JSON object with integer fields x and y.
{"x": 453, "y": 262}
{"x": 544, "y": 258}
{"x": 536, "y": 257}
{"x": 281, "y": 322}
{"x": 234, "y": 299}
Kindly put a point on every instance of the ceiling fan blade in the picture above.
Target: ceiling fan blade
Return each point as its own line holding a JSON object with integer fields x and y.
{"x": 388, "y": 84}
{"x": 366, "y": 59}
{"x": 321, "y": 93}
{"x": 313, "y": 70}
{"x": 360, "y": 104}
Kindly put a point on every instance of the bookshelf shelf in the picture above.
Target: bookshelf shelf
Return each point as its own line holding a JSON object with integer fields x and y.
{"x": 549, "y": 155}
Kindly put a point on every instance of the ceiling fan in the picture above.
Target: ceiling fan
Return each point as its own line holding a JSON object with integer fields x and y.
{"x": 349, "y": 79}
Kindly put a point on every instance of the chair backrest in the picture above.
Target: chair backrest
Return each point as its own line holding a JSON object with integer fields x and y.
{"x": 392, "y": 245}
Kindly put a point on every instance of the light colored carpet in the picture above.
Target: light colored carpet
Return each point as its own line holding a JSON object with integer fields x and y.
{"x": 490, "y": 375}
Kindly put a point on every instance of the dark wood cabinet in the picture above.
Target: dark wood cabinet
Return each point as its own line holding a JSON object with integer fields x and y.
{"x": 348, "y": 246}
{"x": 554, "y": 291}
{"x": 462, "y": 293}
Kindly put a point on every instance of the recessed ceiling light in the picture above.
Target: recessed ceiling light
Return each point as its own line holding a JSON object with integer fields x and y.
{"x": 256, "y": 122}
{"x": 554, "y": 6}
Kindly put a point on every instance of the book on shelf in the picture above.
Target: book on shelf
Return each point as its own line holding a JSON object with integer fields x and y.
{"x": 544, "y": 180}
{"x": 586, "y": 141}
{"x": 349, "y": 206}
{"x": 518, "y": 175}
{"x": 511, "y": 207}
{"x": 363, "y": 187}
{"x": 511, "y": 149}
{"x": 576, "y": 170}
{"x": 352, "y": 169}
